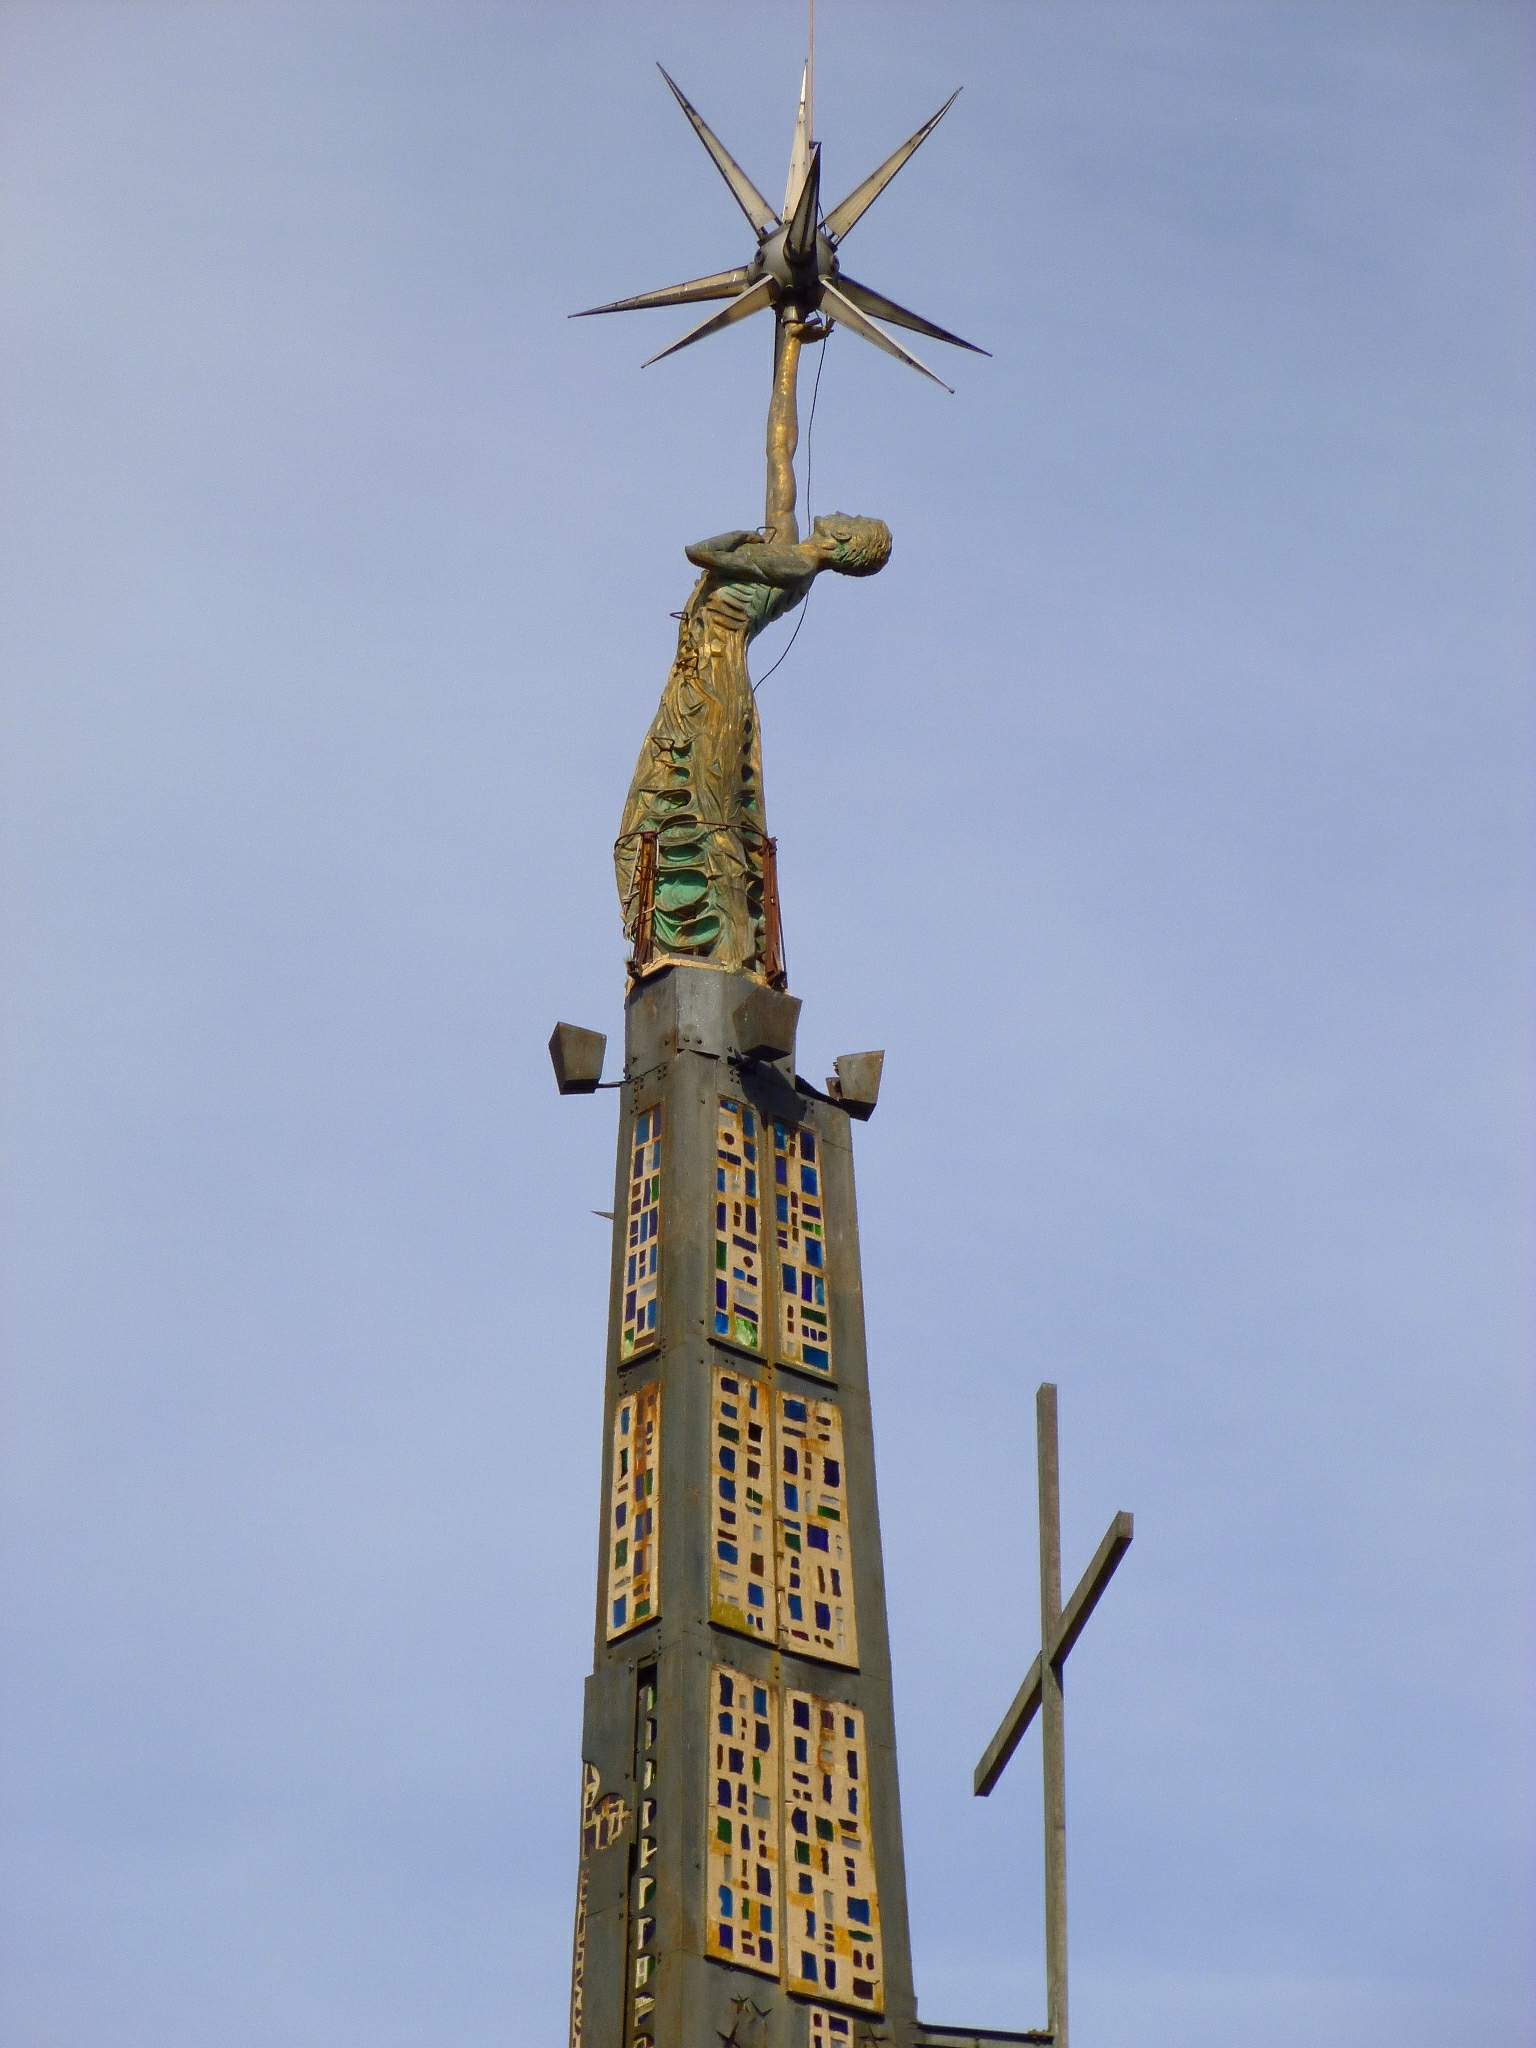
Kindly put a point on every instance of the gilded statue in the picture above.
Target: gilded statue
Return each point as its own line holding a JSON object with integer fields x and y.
{"x": 698, "y": 784}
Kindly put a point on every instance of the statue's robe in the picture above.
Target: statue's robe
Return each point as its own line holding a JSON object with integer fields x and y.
{"x": 698, "y": 784}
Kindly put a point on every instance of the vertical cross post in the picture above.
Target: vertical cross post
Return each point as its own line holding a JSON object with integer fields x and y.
{"x": 1041, "y": 1693}
{"x": 1053, "y": 1745}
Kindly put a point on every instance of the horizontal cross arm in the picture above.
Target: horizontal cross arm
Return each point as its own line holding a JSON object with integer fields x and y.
{"x": 1026, "y": 1704}
{"x": 1074, "y": 1618}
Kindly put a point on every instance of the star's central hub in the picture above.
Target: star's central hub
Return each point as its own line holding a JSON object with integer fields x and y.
{"x": 802, "y": 279}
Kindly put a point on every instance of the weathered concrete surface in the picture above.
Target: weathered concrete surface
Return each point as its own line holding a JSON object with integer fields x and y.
{"x": 685, "y": 1047}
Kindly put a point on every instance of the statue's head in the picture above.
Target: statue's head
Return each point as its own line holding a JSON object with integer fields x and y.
{"x": 856, "y": 547}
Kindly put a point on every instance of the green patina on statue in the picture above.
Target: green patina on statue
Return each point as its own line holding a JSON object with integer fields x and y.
{"x": 698, "y": 784}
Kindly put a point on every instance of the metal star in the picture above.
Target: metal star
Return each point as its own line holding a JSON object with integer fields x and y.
{"x": 796, "y": 268}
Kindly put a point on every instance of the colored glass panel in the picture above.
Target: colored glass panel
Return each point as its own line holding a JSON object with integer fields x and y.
{"x": 738, "y": 1276}
{"x": 830, "y": 2029}
{"x": 634, "y": 1524}
{"x": 603, "y": 1821}
{"x": 832, "y": 1930}
{"x": 805, "y": 1329}
{"x": 642, "y": 1253}
{"x": 742, "y": 1584}
{"x": 742, "y": 1860}
{"x": 579, "y": 1961}
{"x": 815, "y": 1561}
{"x": 643, "y": 1945}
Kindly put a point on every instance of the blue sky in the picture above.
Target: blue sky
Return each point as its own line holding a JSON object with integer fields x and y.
{"x": 1164, "y": 810}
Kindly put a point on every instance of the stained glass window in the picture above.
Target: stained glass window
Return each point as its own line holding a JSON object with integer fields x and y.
{"x": 742, "y": 1583}
{"x": 742, "y": 1896}
{"x": 832, "y": 1930}
{"x": 805, "y": 1330}
{"x": 781, "y": 1563}
{"x": 830, "y": 2029}
{"x": 634, "y": 1526}
{"x": 738, "y": 1311}
{"x": 603, "y": 1821}
{"x": 790, "y": 1863}
{"x": 643, "y": 1249}
{"x": 643, "y": 1945}
{"x": 814, "y": 1556}
{"x": 579, "y": 1960}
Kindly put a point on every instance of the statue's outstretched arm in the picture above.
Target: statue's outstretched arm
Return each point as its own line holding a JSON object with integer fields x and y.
{"x": 748, "y": 558}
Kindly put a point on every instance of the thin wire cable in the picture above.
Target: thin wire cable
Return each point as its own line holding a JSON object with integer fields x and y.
{"x": 810, "y": 427}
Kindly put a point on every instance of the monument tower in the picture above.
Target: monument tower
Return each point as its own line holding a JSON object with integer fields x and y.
{"x": 741, "y": 1873}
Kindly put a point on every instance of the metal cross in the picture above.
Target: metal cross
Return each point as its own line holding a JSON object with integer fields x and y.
{"x": 1041, "y": 1692}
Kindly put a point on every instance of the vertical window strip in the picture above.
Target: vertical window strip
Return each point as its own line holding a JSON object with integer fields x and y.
{"x": 603, "y": 1821}
{"x": 738, "y": 1310}
{"x": 742, "y": 1900}
{"x": 579, "y": 1958}
{"x": 642, "y": 1252}
{"x": 634, "y": 1516}
{"x": 832, "y": 1916}
{"x": 742, "y": 1592}
{"x": 813, "y": 1541}
{"x": 830, "y": 2029}
{"x": 805, "y": 1329}
{"x": 643, "y": 1945}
